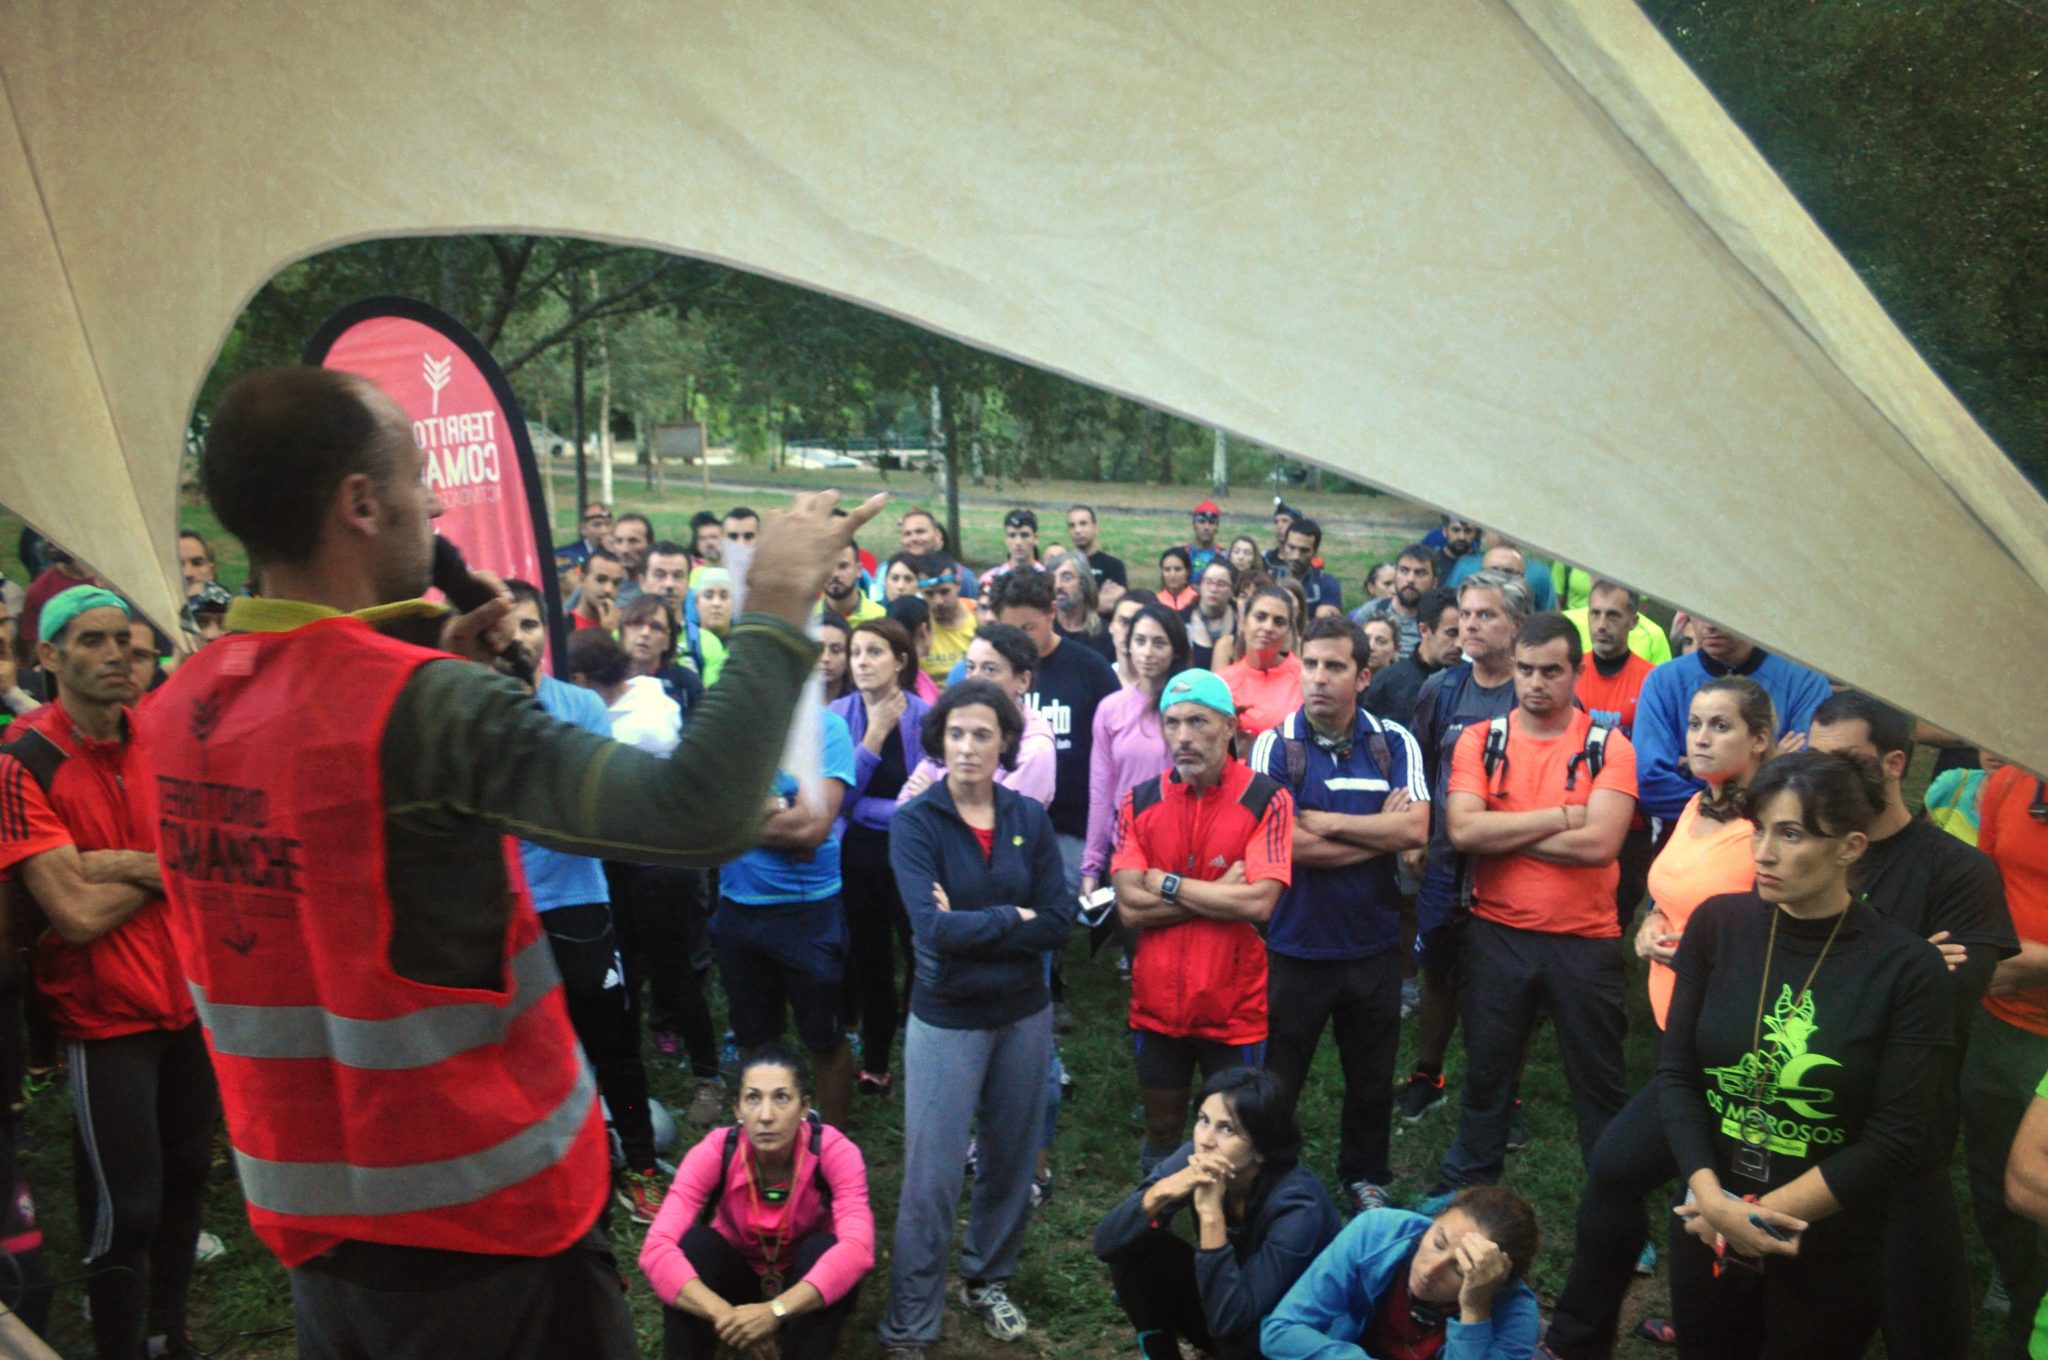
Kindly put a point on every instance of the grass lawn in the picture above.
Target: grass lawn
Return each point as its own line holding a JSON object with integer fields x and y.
{"x": 241, "y": 1305}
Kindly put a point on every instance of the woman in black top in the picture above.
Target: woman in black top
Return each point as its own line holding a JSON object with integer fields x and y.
{"x": 1260, "y": 1219}
{"x": 1801, "y": 1061}
{"x": 1213, "y": 616}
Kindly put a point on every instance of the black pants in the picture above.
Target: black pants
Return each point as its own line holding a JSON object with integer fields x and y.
{"x": 143, "y": 1106}
{"x": 366, "y": 1301}
{"x": 1507, "y": 975}
{"x": 1636, "y": 854}
{"x": 1154, "y": 1279}
{"x": 811, "y": 1336}
{"x": 876, "y": 928}
{"x": 2000, "y": 1071}
{"x": 606, "y": 1021}
{"x": 1631, "y": 1160}
{"x": 1361, "y": 1000}
{"x": 1823, "y": 1307}
{"x": 1927, "y": 1309}
{"x": 660, "y": 915}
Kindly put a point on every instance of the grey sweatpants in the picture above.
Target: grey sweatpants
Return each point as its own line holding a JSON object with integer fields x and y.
{"x": 957, "y": 1081}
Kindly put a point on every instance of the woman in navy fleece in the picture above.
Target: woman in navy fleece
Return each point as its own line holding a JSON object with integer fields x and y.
{"x": 980, "y": 875}
{"x": 1260, "y": 1218}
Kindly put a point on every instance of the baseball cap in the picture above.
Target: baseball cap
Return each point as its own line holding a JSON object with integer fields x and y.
{"x": 1020, "y": 519}
{"x": 210, "y": 598}
{"x": 1198, "y": 687}
{"x": 1208, "y": 508}
{"x": 67, "y": 605}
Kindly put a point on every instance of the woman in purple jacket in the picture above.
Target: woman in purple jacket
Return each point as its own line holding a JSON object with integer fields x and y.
{"x": 886, "y": 720}
{"x": 1129, "y": 745}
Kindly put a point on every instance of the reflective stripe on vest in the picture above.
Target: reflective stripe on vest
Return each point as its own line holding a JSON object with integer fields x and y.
{"x": 338, "y": 1189}
{"x": 402, "y": 1043}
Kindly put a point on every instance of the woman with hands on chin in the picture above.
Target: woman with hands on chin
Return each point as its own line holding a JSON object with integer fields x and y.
{"x": 1260, "y": 1218}
{"x": 1802, "y": 1056}
{"x": 766, "y": 1231}
{"x": 1397, "y": 1284}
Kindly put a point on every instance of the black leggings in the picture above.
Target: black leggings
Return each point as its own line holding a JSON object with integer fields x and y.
{"x": 1823, "y": 1307}
{"x": 810, "y": 1336}
{"x": 875, "y": 921}
{"x": 1631, "y": 1160}
{"x": 606, "y": 1021}
{"x": 143, "y": 1140}
{"x": 659, "y": 914}
{"x": 1154, "y": 1279}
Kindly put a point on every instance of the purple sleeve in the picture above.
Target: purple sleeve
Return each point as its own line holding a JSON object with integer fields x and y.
{"x": 1037, "y": 768}
{"x": 1101, "y": 796}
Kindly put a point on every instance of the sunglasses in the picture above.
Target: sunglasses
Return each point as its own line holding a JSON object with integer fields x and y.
{"x": 1206, "y": 519}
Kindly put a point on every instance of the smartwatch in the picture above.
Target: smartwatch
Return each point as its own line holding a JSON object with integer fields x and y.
{"x": 1169, "y": 887}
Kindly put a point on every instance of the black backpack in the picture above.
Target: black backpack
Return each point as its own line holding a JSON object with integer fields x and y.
{"x": 732, "y": 1145}
{"x": 1593, "y": 755}
{"x": 1297, "y": 756}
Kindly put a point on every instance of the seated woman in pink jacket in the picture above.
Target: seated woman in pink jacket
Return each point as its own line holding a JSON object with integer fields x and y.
{"x": 1005, "y": 656}
{"x": 766, "y": 1229}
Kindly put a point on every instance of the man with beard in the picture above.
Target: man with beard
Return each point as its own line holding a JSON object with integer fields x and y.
{"x": 1394, "y": 690}
{"x": 843, "y": 595}
{"x": 1490, "y": 608}
{"x": 1610, "y": 686}
{"x": 1414, "y": 577}
{"x": 78, "y": 828}
{"x": 1304, "y": 540}
{"x": 668, "y": 573}
{"x": 1203, "y": 854}
{"x": 707, "y": 539}
{"x": 575, "y": 906}
{"x": 632, "y": 536}
{"x": 1459, "y": 538}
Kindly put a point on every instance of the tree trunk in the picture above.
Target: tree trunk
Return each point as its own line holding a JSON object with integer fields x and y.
{"x": 604, "y": 407}
{"x": 576, "y": 368}
{"x": 942, "y": 432}
{"x": 1148, "y": 424}
{"x": 1219, "y": 469}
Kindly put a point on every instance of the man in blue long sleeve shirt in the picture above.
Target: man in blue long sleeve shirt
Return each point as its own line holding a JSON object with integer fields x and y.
{"x": 1664, "y": 785}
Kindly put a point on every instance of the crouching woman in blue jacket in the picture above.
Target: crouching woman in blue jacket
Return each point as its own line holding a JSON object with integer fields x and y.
{"x": 1260, "y": 1217}
{"x": 1398, "y": 1284}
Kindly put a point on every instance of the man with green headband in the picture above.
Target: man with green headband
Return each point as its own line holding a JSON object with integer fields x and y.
{"x": 77, "y": 824}
{"x": 337, "y": 814}
{"x": 1203, "y": 854}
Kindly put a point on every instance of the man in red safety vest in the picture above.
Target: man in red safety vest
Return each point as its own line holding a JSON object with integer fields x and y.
{"x": 416, "y": 1131}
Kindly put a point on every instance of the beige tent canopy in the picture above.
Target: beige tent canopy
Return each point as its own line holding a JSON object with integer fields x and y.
{"x": 1502, "y": 255}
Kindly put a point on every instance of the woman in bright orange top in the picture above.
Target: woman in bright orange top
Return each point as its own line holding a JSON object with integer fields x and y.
{"x": 1727, "y": 740}
{"x": 1265, "y": 683}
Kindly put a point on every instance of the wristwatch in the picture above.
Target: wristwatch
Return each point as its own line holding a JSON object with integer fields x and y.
{"x": 775, "y": 1307}
{"x": 1169, "y": 887}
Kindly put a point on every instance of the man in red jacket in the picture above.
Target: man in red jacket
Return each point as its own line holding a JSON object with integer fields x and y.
{"x": 75, "y": 823}
{"x": 1203, "y": 854}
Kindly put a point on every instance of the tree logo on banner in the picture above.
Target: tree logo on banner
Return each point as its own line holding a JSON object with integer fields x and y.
{"x": 437, "y": 373}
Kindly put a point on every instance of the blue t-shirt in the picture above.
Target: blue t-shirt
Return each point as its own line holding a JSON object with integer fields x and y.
{"x": 763, "y": 878}
{"x": 1541, "y": 587}
{"x": 556, "y": 879}
{"x": 1666, "y": 701}
{"x": 1353, "y": 912}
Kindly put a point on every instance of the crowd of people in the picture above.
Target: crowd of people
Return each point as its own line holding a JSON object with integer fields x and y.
{"x": 294, "y": 870}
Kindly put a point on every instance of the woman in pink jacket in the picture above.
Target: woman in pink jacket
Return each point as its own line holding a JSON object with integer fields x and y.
{"x": 766, "y": 1229}
{"x": 1129, "y": 746}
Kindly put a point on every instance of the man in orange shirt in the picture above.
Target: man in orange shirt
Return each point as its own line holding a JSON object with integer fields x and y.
{"x": 1610, "y": 682}
{"x": 2009, "y": 1041}
{"x": 1541, "y": 800}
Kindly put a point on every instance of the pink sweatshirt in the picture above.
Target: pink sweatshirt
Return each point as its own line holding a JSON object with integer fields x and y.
{"x": 853, "y": 1223}
{"x": 1129, "y": 749}
{"x": 1037, "y": 764}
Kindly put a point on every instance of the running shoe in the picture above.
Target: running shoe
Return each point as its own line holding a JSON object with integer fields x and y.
{"x": 1041, "y": 1190}
{"x": 1411, "y": 996}
{"x": 973, "y": 1158}
{"x": 1646, "y": 1262}
{"x": 665, "y": 1043}
{"x": 1000, "y": 1318}
{"x": 1364, "y": 1195}
{"x": 1518, "y": 1129}
{"x": 1422, "y": 1094}
{"x": 206, "y": 1248}
{"x": 872, "y": 1083}
{"x": 639, "y": 1195}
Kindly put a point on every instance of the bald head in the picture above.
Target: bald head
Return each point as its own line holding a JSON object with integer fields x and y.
{"x": 283, "y": 440}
